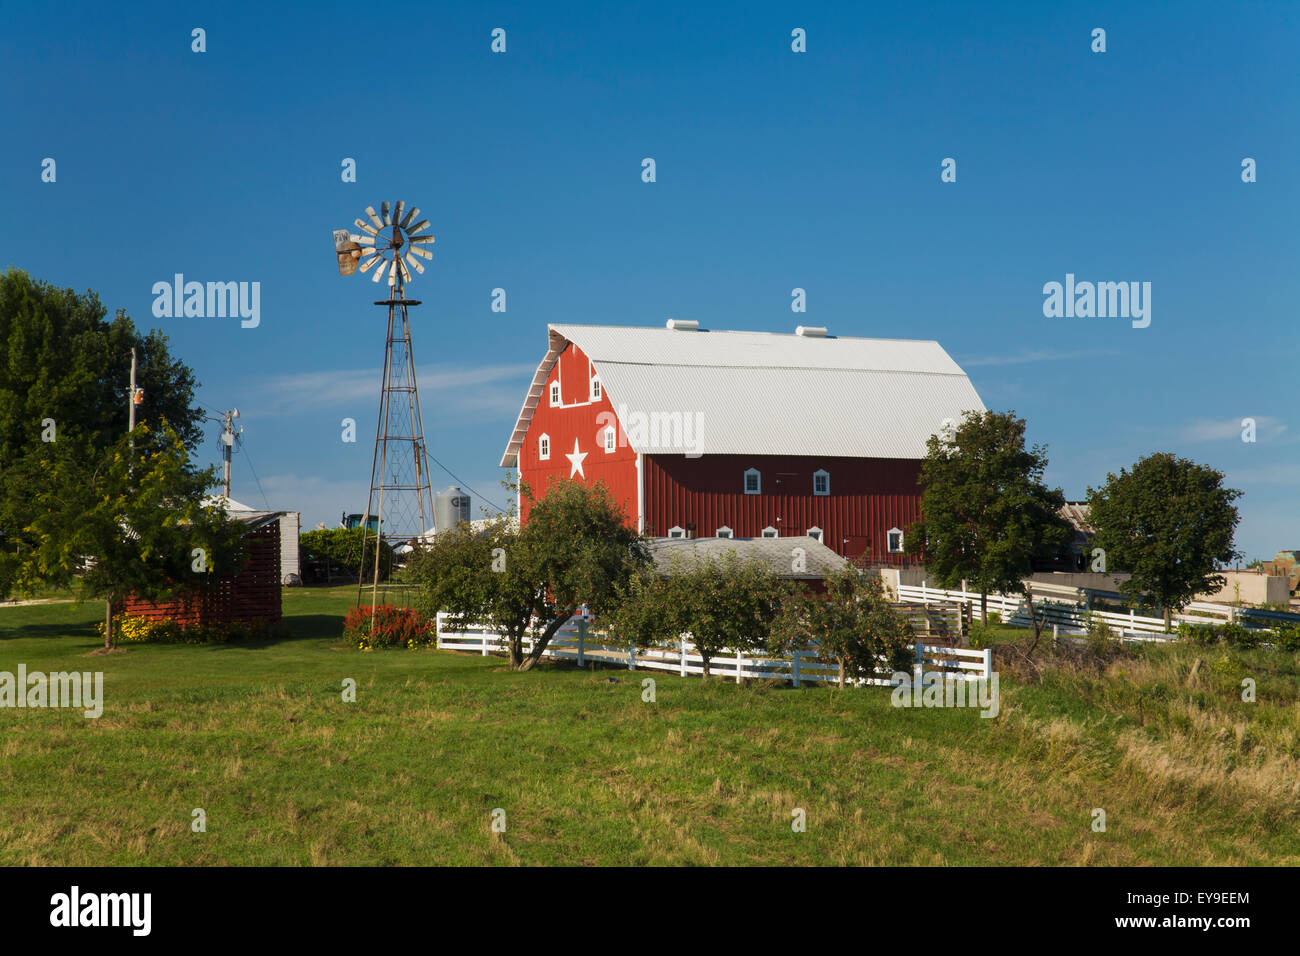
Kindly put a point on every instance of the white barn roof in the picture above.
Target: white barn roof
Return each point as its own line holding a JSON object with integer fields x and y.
{"x": 767, "y": 393}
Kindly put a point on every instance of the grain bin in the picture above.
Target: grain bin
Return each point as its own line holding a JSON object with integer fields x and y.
{"x": 450, "y": 508}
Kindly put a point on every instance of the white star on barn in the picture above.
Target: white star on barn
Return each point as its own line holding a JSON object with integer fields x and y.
{"x": 575, "y": 460}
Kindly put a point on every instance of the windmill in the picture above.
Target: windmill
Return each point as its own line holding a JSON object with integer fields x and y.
{"x": 401, "y": 497}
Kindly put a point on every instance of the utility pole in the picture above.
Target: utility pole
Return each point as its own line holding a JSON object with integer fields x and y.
{"x": 134, "y": 397}
{"x": 227, "y": 444}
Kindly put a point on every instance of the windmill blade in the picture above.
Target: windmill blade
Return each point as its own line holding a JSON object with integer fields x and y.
{"x": 414, "y": 264}
{"x": 366, "y": 227}
{"x": 422, "y": 239}
{"x": 383, "y": 214}
{"x": 379, "y": 273}
{"x": 392, "y": 272}
{"x": 374, "y": 257}
{"x": 397, "y": 210}
{"x": 418, "y": 227}
{"x": 363, "y": 240}
{"x": 411, "y": 214}
{"x": 370, "y": 211}
{"x": 406, "y": 273}
{"x": 420, "y": 251}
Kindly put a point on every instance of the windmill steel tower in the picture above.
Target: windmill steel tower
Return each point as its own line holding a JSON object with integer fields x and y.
{"x": 401, "y": 497}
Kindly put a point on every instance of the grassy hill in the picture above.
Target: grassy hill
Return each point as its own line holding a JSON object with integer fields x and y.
{"x": 587, "y": 773}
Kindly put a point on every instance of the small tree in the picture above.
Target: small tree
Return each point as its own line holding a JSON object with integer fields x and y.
{"x": 1168, "y": 523}
{"x": 341, "y": 547}
{"x": 851, "y": 623}
{"x": 985, "y": 512}
{"x": 724, "y": 604}
{"x": 576, "y": 549}
{"x": 129, "y": 521}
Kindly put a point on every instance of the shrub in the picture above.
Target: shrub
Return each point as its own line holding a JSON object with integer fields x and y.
{"x": 393, "y": 627}
{"x": 1287, "y": 637}
{"x": 131, "y": 629}
{"x": 1237, "y": 636}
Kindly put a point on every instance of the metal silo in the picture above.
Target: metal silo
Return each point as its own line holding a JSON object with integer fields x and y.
{"x": 450, "y": 508}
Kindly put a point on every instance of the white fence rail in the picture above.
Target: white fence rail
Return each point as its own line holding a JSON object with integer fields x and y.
{"x": 1014, "y": 610}
{"x": 572, "y": 642}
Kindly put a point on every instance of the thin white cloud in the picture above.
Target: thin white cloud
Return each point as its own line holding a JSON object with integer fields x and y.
{"x": 1231, "y": 428}
{"x": 445, "y": 391}
{"x": 1036, "y": 355}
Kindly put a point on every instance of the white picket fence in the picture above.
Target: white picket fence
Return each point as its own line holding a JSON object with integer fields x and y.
{"x": 571, "y": 643}
{"x": 1065, "y": 617}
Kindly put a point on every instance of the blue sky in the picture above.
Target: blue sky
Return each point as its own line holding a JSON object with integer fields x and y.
{"x": 775, "y": 170}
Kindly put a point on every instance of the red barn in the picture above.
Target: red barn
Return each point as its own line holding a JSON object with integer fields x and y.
{"x": 742, "y": 434}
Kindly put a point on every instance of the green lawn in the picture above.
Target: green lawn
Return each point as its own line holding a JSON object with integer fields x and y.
{"x": 288, "y": 773}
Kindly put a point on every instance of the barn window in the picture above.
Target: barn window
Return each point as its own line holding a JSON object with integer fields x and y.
{"x": 611, "y": 439}
{"x": 895, "y": 541}
{"x": 725, "y": 532}
{"x": 753, "y": 482}
{"x": 555, "y": 393}
{"x": 595, "y": 389}
{"x": 816, "y": 532}
{"x": 770, "y": 532}
{"x": 821, "y": 482}
{"x": 676, "y": 531}
{"x": 544, "y": 447}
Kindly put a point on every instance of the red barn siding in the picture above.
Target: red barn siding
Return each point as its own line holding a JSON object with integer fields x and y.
{"x": 251, "y": 594}
{"x": 581, "y": 420}
{"x": 868, "y": 496}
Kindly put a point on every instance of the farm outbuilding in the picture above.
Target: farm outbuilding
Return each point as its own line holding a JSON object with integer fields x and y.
{"x": 742, "y": 434}
{"x": 290, "y": 528}
{"x": 252, "y": 594}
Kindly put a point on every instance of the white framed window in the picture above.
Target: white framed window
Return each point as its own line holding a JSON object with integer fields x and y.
{"x": 770, "y": 532}
{"x": 816, "y": 532}
{"x": 821, "y": 482}
{"x": 595, "y": 389}
{"x": 753, "y": 482}
{"x": 544, "y": 447}
{"x": 895, "y": 541}
{"x": 676, "y": 531}
{"x": 611, "y": 439}
{"x": 725, "y": 532}
{"x": 555, "y": 394}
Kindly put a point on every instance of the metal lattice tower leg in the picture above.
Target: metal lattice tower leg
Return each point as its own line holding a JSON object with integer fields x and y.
{"x": 401, "y": 496}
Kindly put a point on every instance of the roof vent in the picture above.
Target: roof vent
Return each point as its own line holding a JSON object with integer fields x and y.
{"x": 683, "y": 325}
{"x": 811, "y": 331}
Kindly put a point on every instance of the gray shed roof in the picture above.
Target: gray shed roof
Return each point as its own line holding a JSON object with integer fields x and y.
{"x": 756, "y": 393}
{"x": 776, "y": 553}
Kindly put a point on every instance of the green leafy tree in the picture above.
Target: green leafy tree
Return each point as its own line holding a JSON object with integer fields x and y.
{"x": 852, "y": 623}
{"x": 985, "y": 512}
{"x": 129, "y": 521}
{"x": 575, "y": 549}
{"x": 327, "y": 548}
{"x": 63, "y": 383}
{"x": 723, "y": 604}
{"x": 1169, "y": 523}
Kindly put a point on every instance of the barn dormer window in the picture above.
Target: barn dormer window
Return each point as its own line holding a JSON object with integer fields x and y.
{"x": 595, "y": 389}
{"x": 676, "y": 531}
{"x": 770, "y": 532}
{"x": 611, "y": 439}
{"x": 555, "y": 394}
{"x": 544, "y": 447}
{"x": 817, "y": 533}
{"x": 725, "y": 532}
{"x": 895, "y": 541}
{"x": 753, "y": 482}
{"x": 821, "y": 482}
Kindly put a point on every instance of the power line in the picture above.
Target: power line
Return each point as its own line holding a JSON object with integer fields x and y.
{"x": 239, "y": 437}
{"x": 464, "y": 484}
